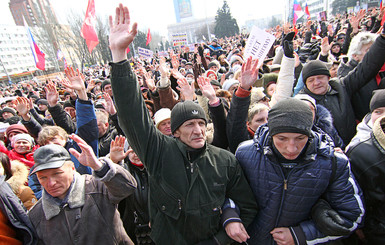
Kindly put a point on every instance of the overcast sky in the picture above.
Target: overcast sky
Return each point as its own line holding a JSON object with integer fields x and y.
{"x": 157, "y": 14}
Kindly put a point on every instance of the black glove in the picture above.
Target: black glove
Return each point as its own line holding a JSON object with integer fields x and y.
{"x": 200, "y": 51}
{"x": 288, "y": 45}
{"x": 328, "y": 221}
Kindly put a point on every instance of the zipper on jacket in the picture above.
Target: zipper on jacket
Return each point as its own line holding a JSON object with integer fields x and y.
{"x": 191, "y": 164}
{"x": 285, "y": 184}
{"x": 179, "y": 204}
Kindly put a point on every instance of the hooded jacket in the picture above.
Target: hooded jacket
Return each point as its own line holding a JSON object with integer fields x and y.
{"x": 287, "y": 201}
{"x": 368, "y": 165}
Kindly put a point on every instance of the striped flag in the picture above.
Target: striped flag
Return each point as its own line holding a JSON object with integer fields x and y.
{"x": 38, "y": 55}
{"x": 307, "y": 11}
{"x": 298, "y": 13}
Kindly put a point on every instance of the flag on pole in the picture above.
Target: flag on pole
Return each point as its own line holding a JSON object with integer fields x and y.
{"x": 149, "y": 38}
{"x": 380, "y": 4}
{"x": 88, "y": 28}
{"x": 38, "y": 55}
{"x": 298, "y": 13}
{"x": 307, "y": 11}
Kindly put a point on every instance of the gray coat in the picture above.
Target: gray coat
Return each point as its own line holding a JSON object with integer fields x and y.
{"x": 90, "y": 216}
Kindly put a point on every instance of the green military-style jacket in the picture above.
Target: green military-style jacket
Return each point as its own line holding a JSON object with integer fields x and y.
{"x": 185, "y": 196}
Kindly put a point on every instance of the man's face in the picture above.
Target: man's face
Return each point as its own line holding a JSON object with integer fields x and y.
{"x": 258, "y": 120}
{"x": 42, "y": 107}
{"x": 102, "y": 128}
{"x": 290, "y": 145}
{"x": 57, "y": 181}
{"x": 7, "y": 115}
{"x": 71, "y": 111}
{"x": 57, "y": 140}
{"x": 192, "y": 133}
{"x": 165, "y": 127}
{"x": 22, "y": 146}
{"x": 318, "y": 84}
{"x": 377, "y": 113}
{"x": 108, "y": 89}
{"x": 271, "y": 89}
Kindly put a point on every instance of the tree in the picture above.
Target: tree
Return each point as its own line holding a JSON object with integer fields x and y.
{"x": 341, "y": 6}
{"x": 225, "y": 24}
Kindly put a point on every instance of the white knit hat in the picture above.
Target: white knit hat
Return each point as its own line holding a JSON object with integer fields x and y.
{"x": 162, "y": 115}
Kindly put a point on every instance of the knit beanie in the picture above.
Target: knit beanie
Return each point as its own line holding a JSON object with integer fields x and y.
{"x": 314, "y": 68}
{"x": 16, "y": 128}
{"x": 104, "y": 83}
{"x": 227, "y": 85}
{"x": 26, "y": 137}
{"x": 235, "y": 58}
{"x": 42, "y": 101}
{"x": 378, "y": 99}
{"x": 10, "y": 110}
{"x": 161, "y": 115}
{"x": 211, "y": 64}
{"x": 290, "y": 116}
{"x": 184, "y": 111}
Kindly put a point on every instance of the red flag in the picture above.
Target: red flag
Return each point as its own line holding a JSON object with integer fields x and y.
{"x": 128, "y": 50}
{"x": 148, "y": 37}
{"x": 88, "y": 28}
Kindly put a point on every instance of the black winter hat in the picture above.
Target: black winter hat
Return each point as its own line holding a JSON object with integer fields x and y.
{"x": 211, "y": 64}
{"x": 184, "y": 111}
{"x": 314, "y": 68}
{"x": 290, "y": 116}
{"x": 104, "y": 83}
{"x": 42, "y": 101}
{"x": 378, "y": 99}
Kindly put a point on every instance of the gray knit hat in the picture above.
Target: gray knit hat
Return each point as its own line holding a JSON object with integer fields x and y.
{"x": 184, "y": 111}
{"x": 378, "y": 99}
{"x": 290, "y": 116}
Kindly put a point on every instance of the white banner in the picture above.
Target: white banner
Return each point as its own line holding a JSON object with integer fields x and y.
{"x": 179, "y": 39}
{"x": 145, "y": 53}
{"x": 258, "y": 44}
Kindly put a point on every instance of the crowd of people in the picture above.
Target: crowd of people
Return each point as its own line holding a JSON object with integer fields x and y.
{"x": 204, "y": 146}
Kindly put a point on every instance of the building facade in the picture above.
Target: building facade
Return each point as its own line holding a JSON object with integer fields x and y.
{"x": 35, "y": 12}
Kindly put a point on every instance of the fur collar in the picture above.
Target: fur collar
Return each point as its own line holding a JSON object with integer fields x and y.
{"x": 19, "y": 176}
{"x": 379, "y": 133}
{"x": 76, "y": 198}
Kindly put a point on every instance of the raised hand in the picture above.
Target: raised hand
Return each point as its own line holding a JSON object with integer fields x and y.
{"x": 186, "y": 90}
{"x": 22, "y": 106}
{"x": 52, "y": 94}
{"x": 109, "y": 106}
{"x": 163, "y": 69}
{"x": 150, "y": 82}
{"x": 207, "y": 90}
{"x": 249, "y": 73}
{"x": 325, "y": 46}
{"x": 75, "y": 79}
{"x": 121, "y": 35}
{"x": 87, "y": 157}
{"x": 117, "y": 153}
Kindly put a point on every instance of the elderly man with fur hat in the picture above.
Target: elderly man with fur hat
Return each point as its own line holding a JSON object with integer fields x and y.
{"x": 189, "y": 179}
{"x": 79, "y": 209}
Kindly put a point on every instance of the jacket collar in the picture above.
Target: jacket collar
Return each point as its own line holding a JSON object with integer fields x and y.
{"x": 76, "y": 198}
{"x": 379, "y": 135}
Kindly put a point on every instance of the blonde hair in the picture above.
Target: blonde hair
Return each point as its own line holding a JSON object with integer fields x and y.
{"x": 49, "y": 132}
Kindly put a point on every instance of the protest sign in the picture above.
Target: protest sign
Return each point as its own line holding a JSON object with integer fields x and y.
{"x": 145, "y": 53}
{"x": 163, "y": 54}
{"x": 258, "y": 44}
{"x": 179, "y": 39}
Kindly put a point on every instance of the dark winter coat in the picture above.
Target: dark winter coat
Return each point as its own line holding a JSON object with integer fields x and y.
{"x": 286, "y": 201}
{"x": 368, "y": 165}
{"x": 337, "y": 98}
{"x": 186, "y": 195}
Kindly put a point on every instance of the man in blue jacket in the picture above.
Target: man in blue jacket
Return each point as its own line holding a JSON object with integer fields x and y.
{"x": 289, "y": 168}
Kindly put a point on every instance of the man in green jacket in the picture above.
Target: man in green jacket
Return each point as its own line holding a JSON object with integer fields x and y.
{"x": 189, "y": 179}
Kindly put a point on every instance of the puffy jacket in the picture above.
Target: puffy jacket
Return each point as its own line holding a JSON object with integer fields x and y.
{"x": 337, "y": 99}
{"x": 368, "y": 165}
{"x": 183, "y": 210}
{"x": 287, "y": 201}
{"x": 12, "y": 208}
